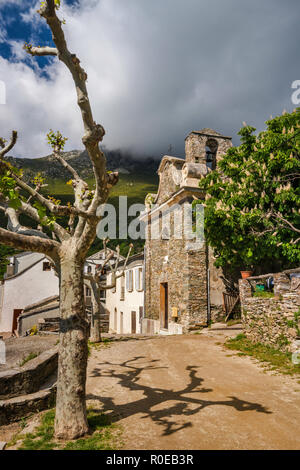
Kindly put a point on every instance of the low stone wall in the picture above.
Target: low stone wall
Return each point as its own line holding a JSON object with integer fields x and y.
{"x": 29, "y": 378}
{"x": 152, "y": 327}
{"x": 16, "y": 408}
{"x": 272, "y": 321}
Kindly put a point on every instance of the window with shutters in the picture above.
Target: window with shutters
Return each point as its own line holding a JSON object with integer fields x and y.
{"x": 122, "y": 294}
{"x": 139, "y": 279}
{"x": 129, "y": 280}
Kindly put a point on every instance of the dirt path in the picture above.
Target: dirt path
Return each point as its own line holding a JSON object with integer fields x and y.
{"x": 187, "y": 392}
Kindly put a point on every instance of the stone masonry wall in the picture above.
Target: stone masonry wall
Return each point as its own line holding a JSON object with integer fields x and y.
{"x": 195, "y": 146}
{"x": 273, "y": 321}
{"x": 168, "y": 184}
{"x": 185, "y": 272}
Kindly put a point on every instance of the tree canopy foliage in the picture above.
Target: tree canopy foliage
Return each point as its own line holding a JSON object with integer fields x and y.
{"x": 5, "y": 252}
{"x": 252, "y": 214}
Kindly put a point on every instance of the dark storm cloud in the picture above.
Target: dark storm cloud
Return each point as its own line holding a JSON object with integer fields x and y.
{"x": 159, "y": 69}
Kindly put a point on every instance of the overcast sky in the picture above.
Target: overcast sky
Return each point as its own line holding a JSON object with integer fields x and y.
{"x": 156, "y": 70}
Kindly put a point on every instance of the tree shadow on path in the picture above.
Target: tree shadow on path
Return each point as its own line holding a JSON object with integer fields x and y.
{"x": 128, "y": 375}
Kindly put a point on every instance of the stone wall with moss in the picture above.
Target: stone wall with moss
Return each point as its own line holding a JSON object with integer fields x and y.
{"x": 272, "y": 318}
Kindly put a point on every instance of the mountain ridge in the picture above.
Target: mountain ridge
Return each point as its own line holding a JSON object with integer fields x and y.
{"x": 79, "y": 159}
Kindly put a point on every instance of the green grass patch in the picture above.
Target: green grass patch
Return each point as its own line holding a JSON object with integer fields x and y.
{"x": 272, "y": 358}
{"x": 103, "y": 435}
{"x": 264, "y": 294}
{"x": 105, "y": 343}
{"x": 135, "y": 186}
{"x": 235, "y": 321}
{"x": 28, "y": 358}
{"x": 42, "y": 438}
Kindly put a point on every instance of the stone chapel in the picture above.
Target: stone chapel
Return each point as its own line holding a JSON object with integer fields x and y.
{"x": 183, "y": 289}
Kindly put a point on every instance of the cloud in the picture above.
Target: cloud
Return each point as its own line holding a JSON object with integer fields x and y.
{"x": 157, "y": 70}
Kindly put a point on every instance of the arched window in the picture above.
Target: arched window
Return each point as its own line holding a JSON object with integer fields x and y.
{"x": 211, "y": 153}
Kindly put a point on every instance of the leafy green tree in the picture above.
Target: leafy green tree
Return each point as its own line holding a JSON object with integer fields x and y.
{"x": 5, "y": 252}
{"x": 252, "y": 198}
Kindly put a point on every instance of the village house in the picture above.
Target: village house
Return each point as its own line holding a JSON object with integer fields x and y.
{"x": 125, "y": 302}
{"x": 183, "y": 289}
{"x": 29, "y": 279}
{"x": 30, "y": 290}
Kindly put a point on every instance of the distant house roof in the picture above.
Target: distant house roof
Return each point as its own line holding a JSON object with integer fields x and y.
{"x": 99, "y": 255}
{"x": 23, "y": 253}
{"x": 134, "y": 260}
{"x": 25, "y": 269}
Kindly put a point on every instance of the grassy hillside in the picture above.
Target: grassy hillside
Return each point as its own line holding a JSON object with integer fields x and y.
{"x": 135, "y": 186}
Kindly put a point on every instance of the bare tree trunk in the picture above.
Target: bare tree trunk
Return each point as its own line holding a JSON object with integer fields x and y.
{"x": 71, "y": 420}
{"x": 97, "y": 310}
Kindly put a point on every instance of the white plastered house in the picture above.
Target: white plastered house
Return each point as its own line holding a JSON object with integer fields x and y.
{"x": 29, "y": 279}
{"x": 31, "y": 282}
{"x": 125, "y": 303}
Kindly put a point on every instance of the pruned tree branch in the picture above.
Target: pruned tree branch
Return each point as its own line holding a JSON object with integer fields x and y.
{"x": 29, "y": 243}
{"x": 40, "y": 51}
{"x": 114, "y": 268}
{"x": 56, "y": 154}
{"x": 53, "y": 208}
{"x": 93, "y": 133}
{"x": 8, "y": 147}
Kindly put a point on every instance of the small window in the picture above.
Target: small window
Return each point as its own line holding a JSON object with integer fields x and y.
{"x": 88, "y": 292}
{"x": 46, "y": 266}
{"x": 139, "y": 279}
{"x": 197, "y": 159}
{"x": 129, "y": 280}
{"x": 122, "y": 296}
{"x": 89, "y": 269}
{"x": 103, "y": 296}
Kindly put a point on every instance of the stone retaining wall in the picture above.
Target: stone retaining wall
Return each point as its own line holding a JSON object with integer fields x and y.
{"x": 30, "y": 377}
{"x": 16, "y": 408}
{"x": 272, "y": 321}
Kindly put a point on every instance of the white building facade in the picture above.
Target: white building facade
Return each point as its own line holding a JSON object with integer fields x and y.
{"x": 125, "y": 303}
{"x": 31, "y": 280}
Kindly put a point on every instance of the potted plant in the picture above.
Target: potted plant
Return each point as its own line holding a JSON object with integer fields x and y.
{"x": 247, "y": 270}
{"x": 246, "y": 274}
{"x": 247, "y": 263}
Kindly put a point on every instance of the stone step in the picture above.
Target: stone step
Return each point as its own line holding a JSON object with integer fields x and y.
{"x": 14, "y": 409}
